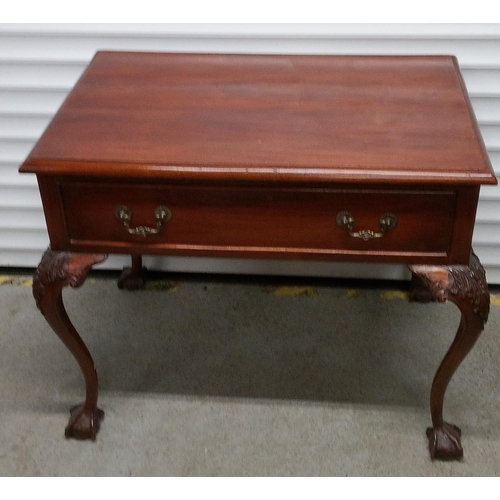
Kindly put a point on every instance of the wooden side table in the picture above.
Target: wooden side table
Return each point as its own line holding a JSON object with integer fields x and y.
{"x": 347, "y": 158}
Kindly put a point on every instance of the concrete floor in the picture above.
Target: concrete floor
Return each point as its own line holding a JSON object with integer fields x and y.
{"x": 213, "y": 376}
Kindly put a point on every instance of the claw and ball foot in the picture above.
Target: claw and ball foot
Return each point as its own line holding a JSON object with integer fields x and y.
{"x": 466, "y": 287}
{"x": 134, "y": 277}
{"x": 55, "y": 271}
{"x": 444, "y": 442}
{"x": 84, "y": 423}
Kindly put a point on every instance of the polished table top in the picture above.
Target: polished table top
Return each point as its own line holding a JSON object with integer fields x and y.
{"x": 301, "y": 118}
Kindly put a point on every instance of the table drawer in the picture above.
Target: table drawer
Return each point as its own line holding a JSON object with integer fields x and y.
{"x": 257, "y": 219}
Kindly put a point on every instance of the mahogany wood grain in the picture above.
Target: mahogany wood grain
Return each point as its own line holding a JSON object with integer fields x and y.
{"x": 270, "y": 117}
{"x": 463, "y": 226}
{"x": 246, "y": 220}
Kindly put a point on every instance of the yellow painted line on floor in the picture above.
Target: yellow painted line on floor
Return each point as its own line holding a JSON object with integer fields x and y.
{"x": 282, "y": 291}
{"x": 394, "y": 295}
{"x": 166, "y": 286}
{"x": 294, "y": 291}
{"x": 397, "y": 295}
{"x": 495, "y": 300}
{"x": 16, "y": 281}
{"x": 169, "y": 286}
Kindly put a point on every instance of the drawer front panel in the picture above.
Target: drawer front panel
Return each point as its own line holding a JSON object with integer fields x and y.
{"x": 246, "y": 218}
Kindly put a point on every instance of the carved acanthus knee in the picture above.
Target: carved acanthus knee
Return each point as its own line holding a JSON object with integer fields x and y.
{"x": 464, "y": 285}
{"x": 60, "y": 269}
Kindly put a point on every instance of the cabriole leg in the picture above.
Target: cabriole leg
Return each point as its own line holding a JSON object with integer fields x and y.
{"x": 466, "y": 287}
{"x": 55, "y": 271}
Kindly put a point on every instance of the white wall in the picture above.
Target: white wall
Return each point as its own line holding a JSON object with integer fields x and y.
{"x": 40, "y": 63}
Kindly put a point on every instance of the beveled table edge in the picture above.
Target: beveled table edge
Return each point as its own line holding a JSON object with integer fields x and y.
{"x": 252, "y": 173}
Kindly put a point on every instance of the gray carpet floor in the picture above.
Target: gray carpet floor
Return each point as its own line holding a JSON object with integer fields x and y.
{"x": 209, "y": 376}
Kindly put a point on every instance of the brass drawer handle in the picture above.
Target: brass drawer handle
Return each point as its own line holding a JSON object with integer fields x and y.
{"x": 124, "y": 215}
{"x": 346, "y": 220}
